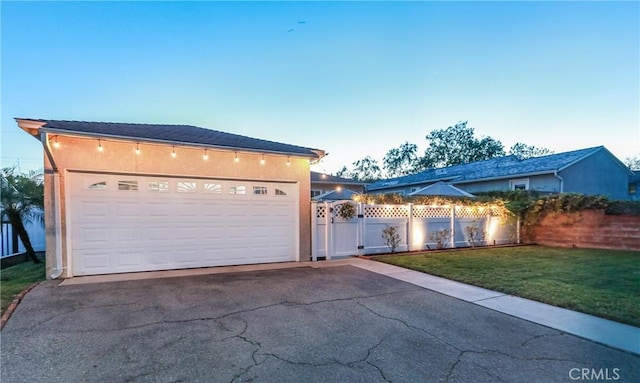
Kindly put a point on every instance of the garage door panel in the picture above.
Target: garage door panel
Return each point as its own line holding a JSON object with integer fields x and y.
{"x": 159, "y": 208}
{"x": 177, "y": 223}
{"x": 94, "y": 209}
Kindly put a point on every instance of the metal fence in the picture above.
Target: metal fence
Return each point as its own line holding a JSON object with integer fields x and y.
{"x": 11, "y": 244}
{"x": 418, "y": 227}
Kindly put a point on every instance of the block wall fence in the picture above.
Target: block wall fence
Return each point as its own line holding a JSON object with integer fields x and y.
{"x": 586, "y": 229}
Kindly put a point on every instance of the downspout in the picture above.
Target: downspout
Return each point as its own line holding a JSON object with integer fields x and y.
{"x": 555, "y": 174}
{"x": 57, "y": 267}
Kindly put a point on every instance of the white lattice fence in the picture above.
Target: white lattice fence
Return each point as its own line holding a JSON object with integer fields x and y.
{"x": 420, "y": 227}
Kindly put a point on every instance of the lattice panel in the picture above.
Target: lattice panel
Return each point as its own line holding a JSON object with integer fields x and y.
{"x": 321, "y": 211}
{"x": 389, "y": 211}
{"x": 471, "y": 212}
{"x": 431, "y": 212}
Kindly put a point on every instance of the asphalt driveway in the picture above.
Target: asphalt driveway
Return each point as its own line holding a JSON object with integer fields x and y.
{"x": 334, "y": 324}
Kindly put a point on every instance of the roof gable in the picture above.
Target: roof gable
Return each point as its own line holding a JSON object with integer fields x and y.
{"x": 172, "y": 134}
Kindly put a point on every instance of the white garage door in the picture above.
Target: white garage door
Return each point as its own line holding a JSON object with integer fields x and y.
{"x": 123, "y": 223}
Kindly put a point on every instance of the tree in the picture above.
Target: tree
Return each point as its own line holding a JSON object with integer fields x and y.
{"x": 523, "y": 151}
{"x": 366, "y": 170}
{"x": 402, "y": 160}
{"x": 458, "y": 145}
{"x": 633, "y": 162}
{"x": 21, "y": 195}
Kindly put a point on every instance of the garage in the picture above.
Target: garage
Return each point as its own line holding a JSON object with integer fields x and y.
{"x": 126, "y": 223}
{"x": 135, "y": 197}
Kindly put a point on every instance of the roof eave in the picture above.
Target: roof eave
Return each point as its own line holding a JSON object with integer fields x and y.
{"x": 31, "y": 126}
{"x": 517, "y": 175}
{"x": 315, "y": 153}
{"x": 401, "y": 185}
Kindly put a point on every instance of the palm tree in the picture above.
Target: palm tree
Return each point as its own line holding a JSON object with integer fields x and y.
{"x": 22, "y": 198}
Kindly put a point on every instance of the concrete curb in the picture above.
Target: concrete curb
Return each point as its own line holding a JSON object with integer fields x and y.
{"x": 14, "y": 304}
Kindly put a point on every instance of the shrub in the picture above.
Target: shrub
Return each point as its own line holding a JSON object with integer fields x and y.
{"x": 390, "y": 234}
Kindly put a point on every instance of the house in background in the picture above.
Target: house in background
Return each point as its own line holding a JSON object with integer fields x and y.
{"x": 141, "y": 197}
{"x": 588, "y": 171}
{"x": 634, "y": 186}
{"x": 328, "y": 187}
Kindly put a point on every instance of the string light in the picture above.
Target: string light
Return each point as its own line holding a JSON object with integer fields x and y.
{"x": 56, "y": 144}
{"x": 236, "y": 159}
{"x": 173, "y": 152}
{"x": 100, "y": 148}
{"x": 206, "y": 155}
{"x": 137, "y": 148}
{"x": 262, "y": 160}
{"x": 288, "y": 161}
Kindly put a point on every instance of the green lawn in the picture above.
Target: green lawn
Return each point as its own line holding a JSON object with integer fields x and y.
{"x": 605, "y": 283}
{"x": 16, "y": 278}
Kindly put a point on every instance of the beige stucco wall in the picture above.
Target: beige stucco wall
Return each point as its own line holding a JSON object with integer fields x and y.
{"x": 81, "y": 154}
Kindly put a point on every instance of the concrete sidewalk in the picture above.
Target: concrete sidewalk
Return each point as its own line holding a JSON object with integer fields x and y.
{"x": 613, "y": 334}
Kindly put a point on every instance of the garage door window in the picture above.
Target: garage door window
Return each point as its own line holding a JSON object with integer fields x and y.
{"x": 128, "y": 185}
{"x": 260, "y": 190}
{"x": 212, "y": 188}
{"x": 102, "y": 185}
{"x": 159, "y": 186}
{"x": 280, "y": 192}
{"x": 186, "y": 187}
{"x": 237, "y": 190}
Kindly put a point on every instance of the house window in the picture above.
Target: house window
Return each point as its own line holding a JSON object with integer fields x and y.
{"x": 186, "y": 187}
{"x": 128, "y": 185}
{"x": 632, "y": 189}
{"x": 237, "y": 190}
{"x": 98, "y": 186}
{"x": 260, "y": 190}
{"x": 520, "y": 184}
{"x": 315, "y": 192}
{"x": 280, "y": 192}
{"x": 212, "y": 188}
{"x": 159, "y": 186}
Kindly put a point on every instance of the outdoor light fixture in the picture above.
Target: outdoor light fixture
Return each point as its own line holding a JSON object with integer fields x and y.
{"x": 205, "y": 156}
{"x": 236, "y": 159}
{"x": 100, "y": 148}
{"x": 137, "y": 148}
{"x": 56, "y": 144}
{"x": 262, "y": 160}
{"x": 173, "y": 152}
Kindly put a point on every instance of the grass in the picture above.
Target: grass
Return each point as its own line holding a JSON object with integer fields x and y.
{"x": 16, "y": 278}
{"x": 605, "y": 283}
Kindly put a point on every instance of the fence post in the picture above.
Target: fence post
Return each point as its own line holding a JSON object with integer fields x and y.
{"x": 314, "y": 229}
{"x": 487, "y": 225}
{"x": 360, "y": 231}
{"x": 518, "y": 239}
{"x": 410, "y": 228}
{"x": 453, "y": 226}
{"x": 328, "y": 241}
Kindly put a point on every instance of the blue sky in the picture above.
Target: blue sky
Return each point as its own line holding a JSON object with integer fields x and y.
{"x": 352, "y": 78}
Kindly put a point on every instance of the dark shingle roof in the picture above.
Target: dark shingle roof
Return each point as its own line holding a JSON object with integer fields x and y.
{"x": 344, "y": 194}
{"x": 175, "y": 134}
{"x": 495, "y": 168}
{"x": 326, "y": 178}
